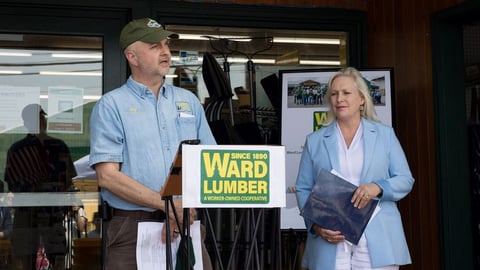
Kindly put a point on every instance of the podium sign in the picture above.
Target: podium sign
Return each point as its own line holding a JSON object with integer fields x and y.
{"x": 233, "y": 176}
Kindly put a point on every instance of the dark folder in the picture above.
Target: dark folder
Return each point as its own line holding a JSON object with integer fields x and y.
{"x": 329, "y": 206}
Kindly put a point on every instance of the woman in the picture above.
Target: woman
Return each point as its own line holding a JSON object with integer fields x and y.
{"x": 368, "y": 154}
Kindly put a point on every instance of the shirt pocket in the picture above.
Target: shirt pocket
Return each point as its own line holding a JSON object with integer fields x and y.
{"x": 187, "y": 128}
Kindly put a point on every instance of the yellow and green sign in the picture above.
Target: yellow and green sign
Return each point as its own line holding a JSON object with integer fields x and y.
{"x": 235, "y": 176}
{"x": 318, "y": 118}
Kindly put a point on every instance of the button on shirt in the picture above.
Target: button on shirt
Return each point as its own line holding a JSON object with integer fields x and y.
{"x": 130, "y": 126}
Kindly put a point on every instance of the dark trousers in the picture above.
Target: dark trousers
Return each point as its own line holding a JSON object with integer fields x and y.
{"x": 121, "y": 241}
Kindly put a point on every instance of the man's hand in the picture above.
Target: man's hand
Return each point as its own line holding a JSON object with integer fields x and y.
{"x": 174, "y": 231}
{"x": 179, "y": 209}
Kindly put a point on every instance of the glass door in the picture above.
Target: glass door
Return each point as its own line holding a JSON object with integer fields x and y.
{"x": 48, "y": 86}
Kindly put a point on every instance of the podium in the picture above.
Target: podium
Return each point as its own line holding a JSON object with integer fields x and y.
{"x": 171, "y": 188}
{"x": 250, "y": 178}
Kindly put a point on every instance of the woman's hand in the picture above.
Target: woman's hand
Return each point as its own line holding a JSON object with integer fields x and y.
{"x": 364, "y": 193}
{"x": 333, "y": 237}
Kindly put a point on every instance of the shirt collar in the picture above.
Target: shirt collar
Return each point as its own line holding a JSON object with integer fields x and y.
{"x": 142, "y": 90}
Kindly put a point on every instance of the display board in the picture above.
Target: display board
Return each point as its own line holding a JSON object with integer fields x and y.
{"x": 304, "y": 108}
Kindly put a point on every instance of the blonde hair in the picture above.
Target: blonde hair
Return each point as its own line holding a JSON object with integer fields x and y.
{"x": 368, "y": 110}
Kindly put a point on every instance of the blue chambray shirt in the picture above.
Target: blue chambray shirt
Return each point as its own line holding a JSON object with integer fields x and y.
{"x": 130, "y": 126}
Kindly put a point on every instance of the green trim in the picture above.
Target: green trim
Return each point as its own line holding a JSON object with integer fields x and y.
{"x": 454, "y": 192}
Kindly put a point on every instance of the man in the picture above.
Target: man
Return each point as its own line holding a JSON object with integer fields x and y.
{"x": 38, "y": 163}
{"x": 136, "y": 130}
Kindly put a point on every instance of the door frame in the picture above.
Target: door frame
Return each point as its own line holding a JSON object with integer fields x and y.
{"x": 456, "y": 250}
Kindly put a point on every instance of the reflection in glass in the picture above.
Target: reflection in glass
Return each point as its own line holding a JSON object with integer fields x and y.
{"x": 38, "y": 163}
{"x": 48, "y": 86}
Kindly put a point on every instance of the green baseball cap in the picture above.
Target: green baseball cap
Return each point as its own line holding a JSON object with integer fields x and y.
{"x": 146, "y": 30}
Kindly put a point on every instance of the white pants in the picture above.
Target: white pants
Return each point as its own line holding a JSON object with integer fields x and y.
{"x": 351, "y": 257}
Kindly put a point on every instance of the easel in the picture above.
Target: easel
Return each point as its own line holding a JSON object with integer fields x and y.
{"x": 173, "y": 187}
{"x": 249, "y": 237}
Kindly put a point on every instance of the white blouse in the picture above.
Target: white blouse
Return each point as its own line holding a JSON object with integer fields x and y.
{"x": 351, "y": 158}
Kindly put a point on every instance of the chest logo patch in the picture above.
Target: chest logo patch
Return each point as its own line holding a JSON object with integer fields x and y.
{"x": 183, "y": 106}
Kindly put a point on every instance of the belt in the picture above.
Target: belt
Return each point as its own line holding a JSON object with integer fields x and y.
{"x": 139, "y": 214}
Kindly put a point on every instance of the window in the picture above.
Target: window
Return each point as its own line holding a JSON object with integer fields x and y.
{"x": 251, "y": 58}
{"x": 48, "y": 86}
{"x": 269, "y": 49}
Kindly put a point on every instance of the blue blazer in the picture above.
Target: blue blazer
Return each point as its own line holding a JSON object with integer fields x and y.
{"x": 384, "y": 164}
